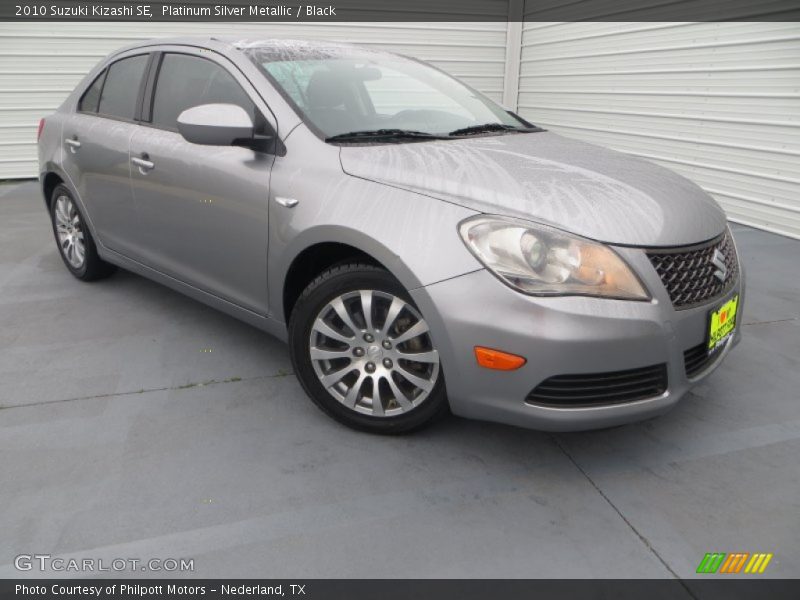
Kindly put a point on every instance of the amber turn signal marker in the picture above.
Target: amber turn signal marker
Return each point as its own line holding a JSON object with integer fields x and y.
{"x": 495, "y": 359}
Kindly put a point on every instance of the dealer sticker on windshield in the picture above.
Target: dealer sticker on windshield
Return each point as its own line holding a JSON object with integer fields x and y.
{"x": 722, "y": 323}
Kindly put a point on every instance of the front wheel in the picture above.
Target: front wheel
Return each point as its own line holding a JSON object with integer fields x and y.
{"x": 364, "y": 353}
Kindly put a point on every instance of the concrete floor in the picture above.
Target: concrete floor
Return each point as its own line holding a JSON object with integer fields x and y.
{"x": 112, "y": 446}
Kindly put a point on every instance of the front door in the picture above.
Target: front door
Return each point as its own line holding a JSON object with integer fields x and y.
{"x": 203, "y": 209}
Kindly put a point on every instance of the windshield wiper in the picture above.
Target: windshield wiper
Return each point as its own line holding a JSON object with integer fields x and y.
{"x": 489, "y": 127}
{"x": 387, "y": 134}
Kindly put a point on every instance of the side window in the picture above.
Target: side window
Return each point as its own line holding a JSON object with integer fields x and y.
{"x": 121, "y": 89}
{"x": 91, "y": 97}
{"x": 185, "y": 81}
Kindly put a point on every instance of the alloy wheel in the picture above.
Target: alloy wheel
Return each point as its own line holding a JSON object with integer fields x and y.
{"x": 372, "y": 351}
{"x": 69, "y": 230}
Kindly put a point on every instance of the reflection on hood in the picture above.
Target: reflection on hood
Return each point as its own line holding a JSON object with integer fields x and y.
{"x": 589, "y": 190}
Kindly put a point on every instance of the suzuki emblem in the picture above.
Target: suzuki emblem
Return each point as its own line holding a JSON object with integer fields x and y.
{"x": 718, "y": 260}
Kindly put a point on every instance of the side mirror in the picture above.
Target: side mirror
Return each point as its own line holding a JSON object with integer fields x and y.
{"x": 215, "y": 124}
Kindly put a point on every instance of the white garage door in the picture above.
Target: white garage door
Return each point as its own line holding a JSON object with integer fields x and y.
{"x": 717, "y": 102}
{"x": 40, "y": 63}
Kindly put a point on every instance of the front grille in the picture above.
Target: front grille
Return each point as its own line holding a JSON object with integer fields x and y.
{"x": 688, "y": 273}
{"x": 697, "y": 359}
{"x": 592, "y": 389}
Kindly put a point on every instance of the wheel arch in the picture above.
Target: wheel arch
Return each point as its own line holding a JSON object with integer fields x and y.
{"x": 323, "y": 247}
{"x": 52, "y": 175}
{"x": 50, "y": 180}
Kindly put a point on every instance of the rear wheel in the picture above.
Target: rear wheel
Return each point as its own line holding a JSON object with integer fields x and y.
{"x": 364, "y": 353}
{"x": 75, "y": 242}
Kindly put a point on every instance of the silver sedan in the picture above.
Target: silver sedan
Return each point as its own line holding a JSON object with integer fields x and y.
{"x": 420, "y": 247}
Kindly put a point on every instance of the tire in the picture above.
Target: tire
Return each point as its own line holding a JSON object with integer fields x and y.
{"x": 367, "y": 381}
{"x": 73, "y": 238}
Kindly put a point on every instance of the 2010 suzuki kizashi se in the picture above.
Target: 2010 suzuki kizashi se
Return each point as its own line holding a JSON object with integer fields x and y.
{"x": 419, "y": 246}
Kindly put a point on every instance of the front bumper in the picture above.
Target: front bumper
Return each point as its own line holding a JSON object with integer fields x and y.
{"x": 558, "y": 336}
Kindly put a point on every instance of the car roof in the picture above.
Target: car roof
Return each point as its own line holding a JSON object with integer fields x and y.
{"x": 228, "y": 43}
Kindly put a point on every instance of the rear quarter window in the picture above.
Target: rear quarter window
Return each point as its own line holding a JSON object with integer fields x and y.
{"x": 91, "y": 97}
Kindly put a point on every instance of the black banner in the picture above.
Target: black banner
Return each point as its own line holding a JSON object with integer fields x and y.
{"x": 400, "y": 10}
{"x": 733, "y": 588}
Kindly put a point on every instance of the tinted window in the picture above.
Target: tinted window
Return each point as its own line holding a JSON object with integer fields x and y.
{"x": 121, "y": 89}
{"x": 91, "y": 97}
{"x": 186, "y": 81}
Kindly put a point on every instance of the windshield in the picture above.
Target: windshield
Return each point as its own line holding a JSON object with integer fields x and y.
{"x": 342, "y": 89}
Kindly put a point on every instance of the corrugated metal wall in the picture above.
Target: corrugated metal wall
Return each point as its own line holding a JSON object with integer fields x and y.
{"x": 40, "y": 63}
{"x": 717, "y": 102}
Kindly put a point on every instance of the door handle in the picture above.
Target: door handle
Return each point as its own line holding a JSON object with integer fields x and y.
{"x": 143, "y": 163}
{"x": 73, "y": 144}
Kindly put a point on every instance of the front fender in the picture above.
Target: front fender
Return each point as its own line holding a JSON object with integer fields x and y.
{"x": 414, "y": 236}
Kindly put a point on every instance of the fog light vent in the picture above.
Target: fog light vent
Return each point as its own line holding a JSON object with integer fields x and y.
{"x": 593, "y": 389}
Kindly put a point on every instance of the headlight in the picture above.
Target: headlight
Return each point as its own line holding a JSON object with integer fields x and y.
{"x": 540, "y": 260}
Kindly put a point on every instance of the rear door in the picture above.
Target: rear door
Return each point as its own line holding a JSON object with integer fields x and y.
{"x": 203, "y": 209}
{"x": 96, "y": 150}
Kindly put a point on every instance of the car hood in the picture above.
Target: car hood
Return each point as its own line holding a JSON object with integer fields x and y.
{"x": 589, "y": 190}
